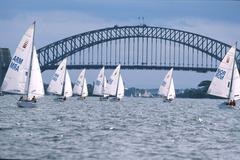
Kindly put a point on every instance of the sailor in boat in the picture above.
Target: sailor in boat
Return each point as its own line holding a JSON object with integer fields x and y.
{"x": 21, "y": 98}
{"x": 34, "y": 99}
{"x": 231, "y": 103}
{"x": 64, "y": 98}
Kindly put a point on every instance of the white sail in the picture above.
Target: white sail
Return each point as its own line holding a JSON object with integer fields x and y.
{"x": 67, "y": 86}
{"x": 56, "y": 84}
{"x": 235, "y": 92}
{"x": 171, "y": 93}
{"x": 100, "y": 83}
{"x": 78, "y": 87}
{"x": 120, "y": 89}
{"x": 104, "y": 87}
{"x": 16, "y": 79}
{"x": 220, "y": 85}
{"x": 85, "y": 89}
{"x": 111, "y": 86}
{"x": 36, "y": 83}
{"x": 165, "y": 86}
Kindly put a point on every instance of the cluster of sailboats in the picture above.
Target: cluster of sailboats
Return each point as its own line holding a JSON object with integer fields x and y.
{"x": 61, "y": 84}
{"x": 24, "y": 77}
{"x": 225, "y": 83}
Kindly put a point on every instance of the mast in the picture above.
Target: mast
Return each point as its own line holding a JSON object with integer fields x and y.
{"x": 118, "y": 83}
{"x": 83, "y": 85}
{"x": 103, "y": 82}
{"x": 169, "y": 87}
{"x": 230, "y": 90}
{"x": 63, "y": 89}
{"x": 30, "y": 68}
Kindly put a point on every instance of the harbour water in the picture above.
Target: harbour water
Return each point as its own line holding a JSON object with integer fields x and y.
{"x": 135, "y": 128}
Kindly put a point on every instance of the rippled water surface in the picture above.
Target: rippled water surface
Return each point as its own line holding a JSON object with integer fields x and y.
{"x": 135, "y": 128}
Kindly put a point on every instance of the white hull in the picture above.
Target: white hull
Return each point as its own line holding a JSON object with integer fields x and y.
{"x": 26, "y": 104}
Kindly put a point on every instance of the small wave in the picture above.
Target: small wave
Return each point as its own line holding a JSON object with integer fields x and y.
{"x": 5, "y": 128}
{"x": 112, "y": 129}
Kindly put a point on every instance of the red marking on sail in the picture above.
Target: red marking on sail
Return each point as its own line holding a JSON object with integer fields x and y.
{"x": 25, "y": 44}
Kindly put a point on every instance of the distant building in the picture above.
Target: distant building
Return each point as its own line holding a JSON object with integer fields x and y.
{"x": 5, "y": 58}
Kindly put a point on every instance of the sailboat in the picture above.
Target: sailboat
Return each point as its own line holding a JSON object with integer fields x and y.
{"x": 115, "y": 86}
{"x": 23, "y": 75}
{"x": 226, "y": 82}
{"x": 80, "y": 87}
{"x": 100, "y": 85}
{"x": 166, "y": 89}
{"x": 61, "y": 83}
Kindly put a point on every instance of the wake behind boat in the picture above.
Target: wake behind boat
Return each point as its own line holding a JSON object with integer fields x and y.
{"x": 23, "y": 75}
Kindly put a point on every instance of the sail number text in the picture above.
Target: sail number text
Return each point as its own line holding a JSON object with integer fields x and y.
{"x": 15, "y": 63}
{"x": 220, "y": 74}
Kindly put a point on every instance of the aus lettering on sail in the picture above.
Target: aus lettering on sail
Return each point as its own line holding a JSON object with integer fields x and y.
{"x": 15, "y": 63}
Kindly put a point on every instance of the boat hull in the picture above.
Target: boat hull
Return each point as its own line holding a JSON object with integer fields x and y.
{"x": 115, "y": 99}
{"x": 26, "y": 104}
{"x": 60, "y": 99}
{"x": 168, "y": 100}
{"x": 82, "y": 98}
{"x": 103, "y": 98}
{"x": 225, "y": 105}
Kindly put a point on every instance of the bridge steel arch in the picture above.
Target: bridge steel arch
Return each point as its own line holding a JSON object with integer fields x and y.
{"x": 210, "y": 49}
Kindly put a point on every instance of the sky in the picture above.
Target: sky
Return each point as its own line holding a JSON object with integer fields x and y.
{"x": 57, "y": 19}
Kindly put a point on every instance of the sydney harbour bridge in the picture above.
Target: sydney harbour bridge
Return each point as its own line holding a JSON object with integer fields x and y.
{"x": 136, "y": 47}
